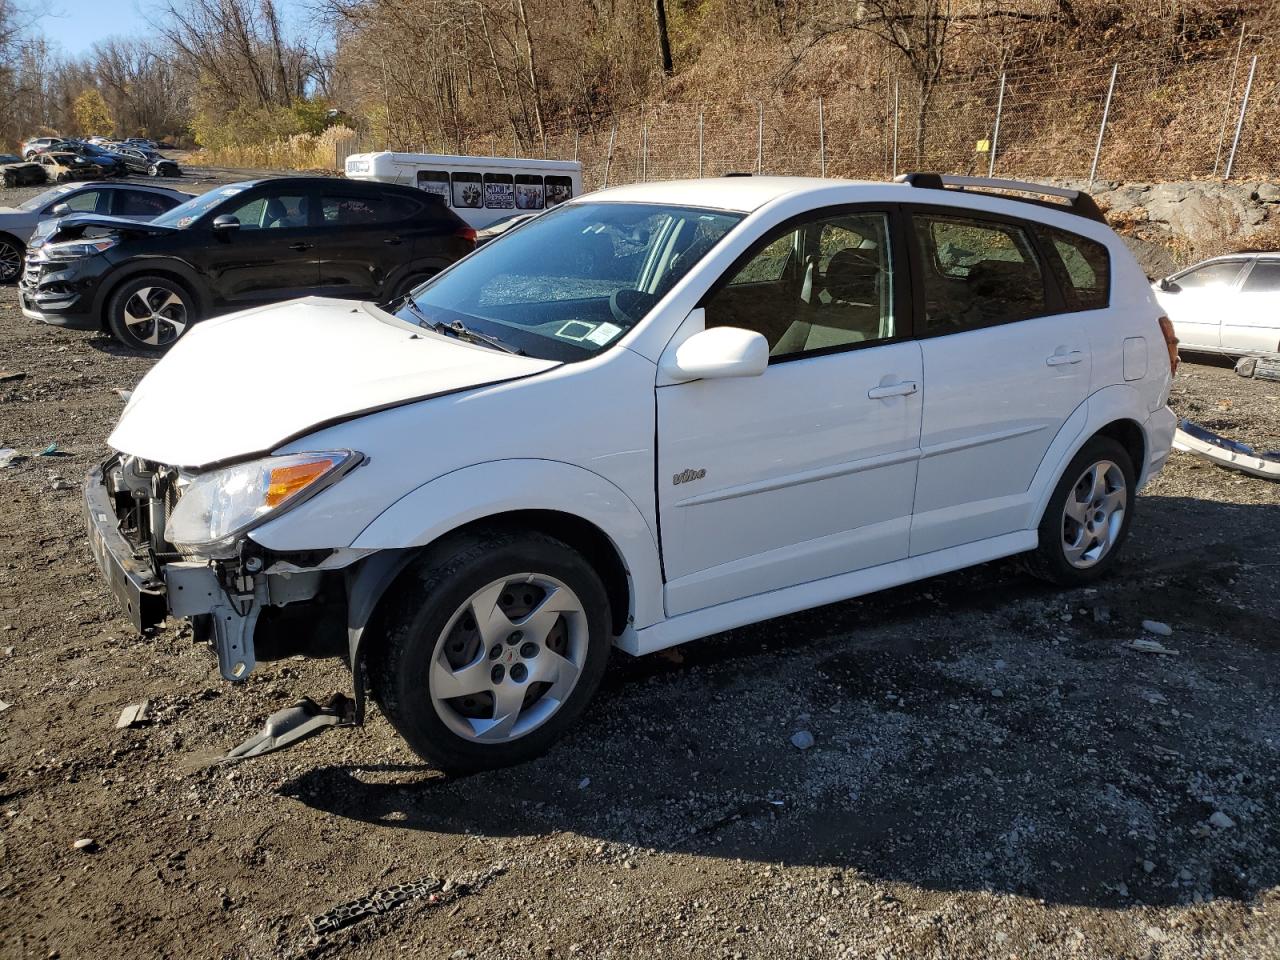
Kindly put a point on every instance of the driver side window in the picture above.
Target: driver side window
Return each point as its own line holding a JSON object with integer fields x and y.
{"x": 823, "y": 285}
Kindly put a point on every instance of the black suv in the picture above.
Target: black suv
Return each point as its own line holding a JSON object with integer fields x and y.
{"x": 238, "y": 247}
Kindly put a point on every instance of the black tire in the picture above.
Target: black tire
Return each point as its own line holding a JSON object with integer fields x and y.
{"x": 437, "y": 592}
{"x": 163, "y": 295}
{"x": 11, "y": 253}
{"x": 1050, "y": 560}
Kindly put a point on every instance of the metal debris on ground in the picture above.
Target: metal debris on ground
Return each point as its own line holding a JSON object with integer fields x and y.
{"x": 10, "y": 457}
{"x": 1158, "y": 628}
{"x": 48, "y": 451}
{"x": 1259, "y": 368}
{"x": 1150, "y": 646}
{"x": 436, "y": 892}
{"x": 11, "y": 377}
{"x": 292, "y": 724}
{"x": 134, "y": 715}
{"x": 1196, "y": 440}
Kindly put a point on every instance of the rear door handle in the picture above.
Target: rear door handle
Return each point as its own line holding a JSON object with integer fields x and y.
{"x": 392, "y": 241}
{"x": 1058, "y": 359}
{"x": 904, "y": 389}
{"x": 300, "y": 246}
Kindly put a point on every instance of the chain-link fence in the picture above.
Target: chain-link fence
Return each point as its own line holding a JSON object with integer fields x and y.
{"x": 1137, "y": 119}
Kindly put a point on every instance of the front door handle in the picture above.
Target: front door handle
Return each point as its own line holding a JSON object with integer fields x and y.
{"x": 904, "y": 389}
{"x": 1058, "y": 359}
{"x": 300, "y": 246}
{"x": 392, "y": 241}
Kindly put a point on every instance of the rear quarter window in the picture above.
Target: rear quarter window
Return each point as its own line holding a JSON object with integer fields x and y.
{"x": 1082, "y": 267}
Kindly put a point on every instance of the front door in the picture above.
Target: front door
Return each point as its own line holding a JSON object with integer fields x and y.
{"x": 360, "y": 245}
{"x": 808, "y": 470}
{"x": 1007, "y": 366}
{"x": 1251, "y": 324}
{"x": 272, "y": 256}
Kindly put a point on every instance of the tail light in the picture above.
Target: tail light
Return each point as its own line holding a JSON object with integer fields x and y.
{"x": 466, "y": 233}
{"x": 1171, "y": 342}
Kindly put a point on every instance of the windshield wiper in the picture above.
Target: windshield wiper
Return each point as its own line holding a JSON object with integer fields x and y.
{"x": 458, "y": 329}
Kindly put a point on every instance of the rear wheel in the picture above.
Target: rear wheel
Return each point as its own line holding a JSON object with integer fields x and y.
{"x": 490, "y": 649}
{"x": 150, "y": 313}
{"x": 10, "y": 260}
{"x": 1088, "y": 516}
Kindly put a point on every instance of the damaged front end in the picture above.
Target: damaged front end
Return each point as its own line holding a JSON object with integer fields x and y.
{"x": 166, "y": 544}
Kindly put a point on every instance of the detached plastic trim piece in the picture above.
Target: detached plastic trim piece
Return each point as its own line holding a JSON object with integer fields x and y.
{"x": 1196, "y": 440}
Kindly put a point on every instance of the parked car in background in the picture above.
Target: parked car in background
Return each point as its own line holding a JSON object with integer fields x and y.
{"x": 137, "y": 160}
{"x": 37, "y": 144}
{"x": 61, "y": 166}
{"x": 1228, "y": 305}
{"x": 26, "y": 225}
{"x": 652, "y": 414}
{"x": 111, "y": 164}
{"x": 237, "y": 247}
{"x": 16, "y": 172}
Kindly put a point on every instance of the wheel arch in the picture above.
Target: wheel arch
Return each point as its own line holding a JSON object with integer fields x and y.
{"x": 149, "y": 268}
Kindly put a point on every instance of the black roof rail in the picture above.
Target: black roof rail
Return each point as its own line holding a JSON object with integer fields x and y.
{"x": 1078, "y": 202}
{"x": 733, "y": 173}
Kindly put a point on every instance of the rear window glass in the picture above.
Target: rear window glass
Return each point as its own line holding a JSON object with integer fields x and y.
{"x": 1082, "y": 266}
{"x": 354, "y": 211}
{"x": 1263, "y": 278}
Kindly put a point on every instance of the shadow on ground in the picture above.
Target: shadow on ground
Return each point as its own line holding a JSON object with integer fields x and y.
{"x": 978, "y": 731}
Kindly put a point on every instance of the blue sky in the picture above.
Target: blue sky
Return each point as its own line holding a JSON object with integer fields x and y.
{"x": 76, "y": 25}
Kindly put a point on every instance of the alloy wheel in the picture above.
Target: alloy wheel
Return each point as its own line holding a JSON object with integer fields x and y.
{"x": 157, "y": 316}
{"x": 1093, "y": 515}
{"x": 10, "y": 262}
{"x": 508, "y": 658}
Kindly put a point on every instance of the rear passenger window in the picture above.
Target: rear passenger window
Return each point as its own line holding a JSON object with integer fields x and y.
{"x": 139, "y": 203}
{"x": 1263, "y": 278}
{"x": 1082, "y": 266}
{"x": 977, "y": 273}
{"x": 357, "y": 211}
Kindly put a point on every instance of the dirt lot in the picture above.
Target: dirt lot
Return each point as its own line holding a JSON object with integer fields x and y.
{"x": 994, "y": 774}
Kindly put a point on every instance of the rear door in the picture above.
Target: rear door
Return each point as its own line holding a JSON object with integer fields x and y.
{"x": 365, "y": 236}
{"x": 1252, "y": 324}
{"x": 1006, "y": 366}
{"x": 141, "y": 204}
{"x": 272, "y": 256}
{"x": 1197, "y": 300}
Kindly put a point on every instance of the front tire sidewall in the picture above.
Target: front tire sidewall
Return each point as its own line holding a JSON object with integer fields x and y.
{"x": 115, "y": 312}
{"x": 1049, "y": 561}
{"x": 9, "y": 245}
{"x": 423, "y": 602}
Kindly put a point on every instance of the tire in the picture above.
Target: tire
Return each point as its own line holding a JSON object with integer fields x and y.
{"x": 11, "y": 252}
{"x": 407, "y": 284}
{"x": 171, "y": 306}
{"x": 522, "y": 673}
{"x": 153, "y": 171}
{"x": 1088, "y": 517}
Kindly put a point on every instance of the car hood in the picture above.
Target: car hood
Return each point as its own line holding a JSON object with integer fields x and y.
{"x": 246, "y": 383}
{"x": 74, "y": 225}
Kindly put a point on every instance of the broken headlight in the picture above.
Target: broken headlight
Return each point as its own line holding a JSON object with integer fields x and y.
{"x": 219, "y": 506}
{"x": 77, "y": 249}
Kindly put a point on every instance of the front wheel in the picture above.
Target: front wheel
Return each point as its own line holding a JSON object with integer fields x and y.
{"x": 150, "y": 313}
{"x": 490, "y": 648}
{"x": 1088, "y": 516}
{"x": 10, "y": 260}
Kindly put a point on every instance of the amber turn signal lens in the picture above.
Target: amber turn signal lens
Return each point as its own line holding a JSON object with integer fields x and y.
{"x": 286, "y": 481}
{"x": 1170, "y": 341}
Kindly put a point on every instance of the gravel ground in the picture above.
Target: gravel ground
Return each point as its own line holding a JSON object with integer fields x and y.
{"x": 994, "y": 773}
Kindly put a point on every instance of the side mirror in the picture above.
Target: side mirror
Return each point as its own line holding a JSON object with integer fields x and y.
{"x": 61, "y": 210}
{"x": 717, "y": 353}
{"x": 226, "y": 223}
